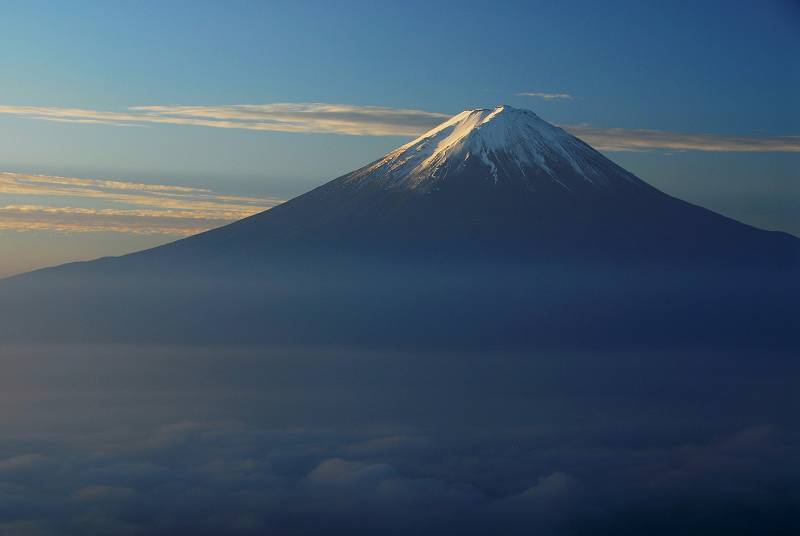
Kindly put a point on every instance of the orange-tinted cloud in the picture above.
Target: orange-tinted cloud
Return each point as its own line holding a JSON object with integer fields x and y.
{"x": 278, "y": 117}
{"x": 83, "y": 205}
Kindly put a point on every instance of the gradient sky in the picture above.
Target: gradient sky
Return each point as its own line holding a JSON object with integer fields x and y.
{"x": 698, "y": 98}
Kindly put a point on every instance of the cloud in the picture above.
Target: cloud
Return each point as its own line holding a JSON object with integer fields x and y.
{"x": 551, "y": 487}
{"x": 339, "y": 471}
{"x": 20, "y": 463}
{"x": 305, "y": 117}
{"x": 102, "y": 493}
{"x": 545, "y": 96}
{"x": 277, "y": 117}
{"x": 233, "y": 478}
{"x": 171, "y": 440}
{"x": 625, "y": 139}
{"x": 391, "y": 444}
{"x": 73, "y": 219}
{"x": 47, "y": 203}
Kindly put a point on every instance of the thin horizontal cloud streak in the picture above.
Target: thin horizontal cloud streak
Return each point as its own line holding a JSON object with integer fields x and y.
{"x": 308, "y": 117}
{"x": 277, "y": 117}
{"x": 545, "y": 96}
{"x": 126, "y": 207}
{"x": 104, "y": 183}
{"x": 622, "y": 139}
{"x": 82, "y": 220}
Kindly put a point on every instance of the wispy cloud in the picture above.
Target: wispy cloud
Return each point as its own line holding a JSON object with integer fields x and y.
{"x": 626, "y": 139}
{"x": 277, "y": 117}
{"x": 75, "y": 219}
{"x": 545, "y": 96}
{"x": 47, "y": 203}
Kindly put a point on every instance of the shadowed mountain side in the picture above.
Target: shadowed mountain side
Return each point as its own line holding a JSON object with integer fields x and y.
{"x": 380, "y": 302}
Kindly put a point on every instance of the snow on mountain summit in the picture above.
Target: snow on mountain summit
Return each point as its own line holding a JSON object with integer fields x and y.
{"x": 503, "y": 145}
{"x": 482, "y": 129}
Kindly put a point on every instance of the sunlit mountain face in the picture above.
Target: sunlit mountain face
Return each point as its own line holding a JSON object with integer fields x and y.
{"x": 492, "y": 328}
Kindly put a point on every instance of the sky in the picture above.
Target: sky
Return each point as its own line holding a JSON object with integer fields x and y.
{"x": 124, "y": 125}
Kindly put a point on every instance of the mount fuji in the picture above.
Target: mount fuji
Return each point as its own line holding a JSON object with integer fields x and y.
{"x": 495, "y": 227}
{"x": 497, "y": 180}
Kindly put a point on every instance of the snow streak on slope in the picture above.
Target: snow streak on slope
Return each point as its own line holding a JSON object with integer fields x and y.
{"x": 507, "y": 145}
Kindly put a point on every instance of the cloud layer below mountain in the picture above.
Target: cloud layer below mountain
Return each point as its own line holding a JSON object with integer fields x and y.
{"x": 149, "y": 440}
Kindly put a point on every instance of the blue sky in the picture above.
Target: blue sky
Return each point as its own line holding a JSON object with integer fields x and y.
{"x": 681, "y": 68}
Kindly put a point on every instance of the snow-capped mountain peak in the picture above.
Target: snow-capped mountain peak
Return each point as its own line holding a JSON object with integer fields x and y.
{"x": 503, "y": 145}
{"x": 494, "y": 128}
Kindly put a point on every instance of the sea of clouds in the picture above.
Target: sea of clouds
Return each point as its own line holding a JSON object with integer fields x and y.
{"x": 171, "y": 440}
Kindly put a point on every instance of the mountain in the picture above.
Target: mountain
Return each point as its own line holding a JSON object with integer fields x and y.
{"x": 497, "y": 179}
{"x": 509, "y": 147}
{"x": 495, "y": 227}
